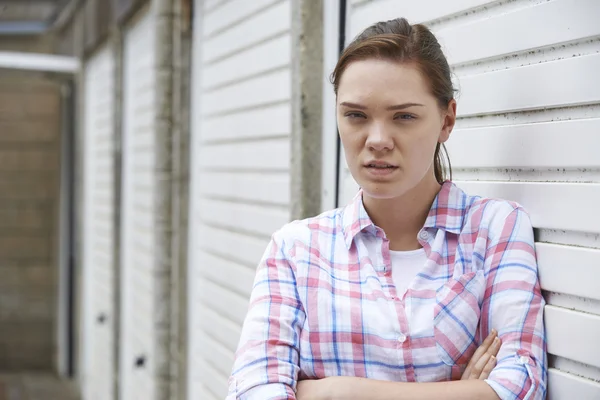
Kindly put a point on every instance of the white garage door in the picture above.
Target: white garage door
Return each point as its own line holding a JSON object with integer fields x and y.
{"x": 97, "y": 364}
{"x": 139, "y": 304}
{"x": 240, "y": 172}
{"x": 528, "y": 131}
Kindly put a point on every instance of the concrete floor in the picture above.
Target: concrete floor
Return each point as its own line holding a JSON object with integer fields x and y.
{"x": 35, "y": 386}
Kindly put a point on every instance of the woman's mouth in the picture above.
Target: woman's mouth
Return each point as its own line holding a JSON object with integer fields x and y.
{"x": 380, "y": 168}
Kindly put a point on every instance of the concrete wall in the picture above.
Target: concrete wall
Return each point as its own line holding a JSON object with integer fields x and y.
{"x": 29, "y": 174}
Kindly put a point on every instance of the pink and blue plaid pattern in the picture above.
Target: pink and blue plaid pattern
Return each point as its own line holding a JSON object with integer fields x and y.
{"x": 324, "y": 303}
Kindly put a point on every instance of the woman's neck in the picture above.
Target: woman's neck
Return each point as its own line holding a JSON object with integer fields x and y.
{"x": 401, "y": 218}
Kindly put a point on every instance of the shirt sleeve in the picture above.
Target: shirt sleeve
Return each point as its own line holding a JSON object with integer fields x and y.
{"x": 513, "y": 304}
{"x": 266, "y": 363}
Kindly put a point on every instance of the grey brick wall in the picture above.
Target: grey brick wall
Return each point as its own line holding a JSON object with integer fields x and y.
{"x": 29, "y": 174}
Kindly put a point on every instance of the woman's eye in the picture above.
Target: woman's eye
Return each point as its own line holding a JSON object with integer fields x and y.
{"x": 353, "y": 115}
{"x": 404, "y": 116}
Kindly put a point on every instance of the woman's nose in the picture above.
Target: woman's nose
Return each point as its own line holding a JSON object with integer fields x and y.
{"x": 378, "y": 139}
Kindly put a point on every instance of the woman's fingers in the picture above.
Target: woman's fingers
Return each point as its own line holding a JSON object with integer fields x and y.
{"x": 481, "y": 350}
{"x": 485, "y": 373}
{"x": 479, "y": 365}
{"x": 495, "y": 347}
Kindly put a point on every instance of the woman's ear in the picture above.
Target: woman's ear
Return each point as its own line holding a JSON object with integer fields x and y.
{"x": 448, "y": 122}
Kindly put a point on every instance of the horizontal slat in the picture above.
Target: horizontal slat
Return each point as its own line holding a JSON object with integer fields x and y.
{"x": 227, "y": 331}
{"x": 572, "y": 302}
{"x": 540, "y": 145}
{"x": 230, "y": 12}
{"x": 271, "y": 22}
{"x": 245, "y": 217}
{"x": 248, "y": 249}
{"x": 226, "y": 273}
{"x": 209, "y": 4}
{"x": 214, "y": 381}
{"x": 575, "y": 368}
{"x": 527, "y": 88}
{"x": 266, "y": 154}
{"x": 275, "y": 53}
{"x": 229, "y": 304}
{"x": 546, "y": 202}
{"x": 216, "y": 354}
{"x": 253, "y": 187}
{"x": 263, "y": 122}
{"x": 573, "y": 334}
{"x": 570, "y": 20}
{"x": 567, "y": 269}
{"x": 275, "y": 87}
{"x": 415, "y": 11}
{"x": 562, "y": 385}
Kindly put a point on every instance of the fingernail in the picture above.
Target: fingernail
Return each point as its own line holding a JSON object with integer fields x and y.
{"x": 497, "y": 340}
{"x": 494, "y": 332}
{"x": 493, "y": 358}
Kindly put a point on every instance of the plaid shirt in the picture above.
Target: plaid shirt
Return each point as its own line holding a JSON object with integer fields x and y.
{"x": 324, "y": 303}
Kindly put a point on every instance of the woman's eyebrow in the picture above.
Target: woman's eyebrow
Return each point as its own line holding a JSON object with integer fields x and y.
{"x": 390, "y": 108}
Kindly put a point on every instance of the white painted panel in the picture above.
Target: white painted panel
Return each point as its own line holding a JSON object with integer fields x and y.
{"x": 230, "y": 13}
{"x": 275, "y": 87}
{"x": 214, "y": 382}
{"x": 264, "y": 57}
{"x": 269, "y": 121}
{"x": 229, "y": 332}
{"x": 546, "y": 202}
{"x": 239, "y": 183}
{"x": 527, "y": 87}
{"x": 227, "y": 303}
{"x": 264, "y": 154}
{"x": 97, "y": 364}
{"x": 271, "y": 22}
{"x": 570, "y": 20}
{"x": 562, "y": 385}
{"x": 221, "y": 357}
{"x": 570, "y": 270}
{"x": 537, "y": 145}
{"x": 249, "y": 250}
{"x": 572, "y": 334}
{"x": 414, "y": 11}
{"x": 210, "y": 4}
{"x": 261, "y": 220}
{"x": 261, "y": 187}
{"x": 226, "y": 273}
{"x": 139, "y": 336}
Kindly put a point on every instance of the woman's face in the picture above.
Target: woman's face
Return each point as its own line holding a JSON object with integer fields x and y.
{"x": 389, "y": 125}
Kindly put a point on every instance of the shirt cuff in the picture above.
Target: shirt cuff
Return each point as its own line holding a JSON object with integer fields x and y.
{"x": 512, "y": 380}
{"x": 270, "y": 391}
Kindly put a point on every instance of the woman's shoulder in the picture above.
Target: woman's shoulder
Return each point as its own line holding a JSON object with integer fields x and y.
{"x": 305, "y": 230}
{"x": 492, "y": 213}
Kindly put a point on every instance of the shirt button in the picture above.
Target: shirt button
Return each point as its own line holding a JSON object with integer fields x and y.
{"x": 423, "y": 235}
{"x": 402, "y": 338}
{"x": 524, "y": 360}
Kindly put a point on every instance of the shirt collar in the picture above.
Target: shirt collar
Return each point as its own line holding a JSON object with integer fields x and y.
{"x": 447, "y": 213}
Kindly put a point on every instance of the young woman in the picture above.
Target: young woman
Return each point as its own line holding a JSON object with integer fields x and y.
{"x": 390, "y": 296}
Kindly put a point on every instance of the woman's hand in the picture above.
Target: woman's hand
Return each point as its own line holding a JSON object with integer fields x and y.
{"x": 484, "y": 359}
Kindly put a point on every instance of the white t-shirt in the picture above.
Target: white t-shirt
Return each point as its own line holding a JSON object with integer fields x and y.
{"x": 405, "y": 266}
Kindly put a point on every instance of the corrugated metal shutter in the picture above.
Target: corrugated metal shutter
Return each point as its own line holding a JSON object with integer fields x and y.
{"x": 240, "y": 171}
{"x": 140, "y": 302}
{"x": 98, "y": 308}
{"x": 528, "y": 131}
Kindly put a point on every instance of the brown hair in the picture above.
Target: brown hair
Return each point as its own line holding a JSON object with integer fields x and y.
{"x": 397, "y": 40}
